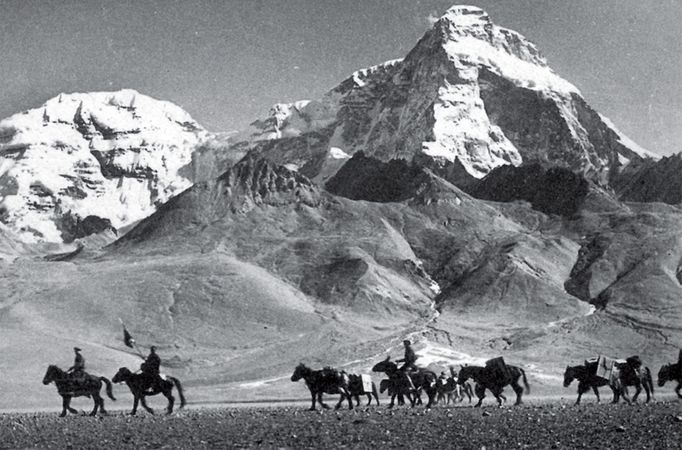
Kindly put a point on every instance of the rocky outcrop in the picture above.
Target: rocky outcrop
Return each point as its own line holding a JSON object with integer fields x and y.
{"x": 652, "y": 181}
{"x": 113, "y": 155}
{"x": 254, "y": 182}
{"x": 366, "y": 178}
{"x": 551, "y": 191}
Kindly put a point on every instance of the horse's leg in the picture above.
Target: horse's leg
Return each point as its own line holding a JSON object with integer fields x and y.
{"x": 432, "y": 397}
{"x": 375, "y": 393}
{"x": 97, "y": 400}
{"x": 101, "y": 406}
{"x": 638, "y": 390}
{"x": 519, "y": 393}
{"x": 369, "y": 399}
{"x": 647, "y": 391}
{"x": 480, "y": 393}
{"x": 581, "y": 390}
{"x": 616, "y": 393}
{"x": 65, "y": 405}
{"x": 596, "y": 393}
{"x": 624, "y": 394}
{"x": 136, "y": 401}
{"x": 312, "y": 407}
{"x": 68, "y": 406}
{"x": 392, "y": 400}
{"x": 319, "y": 400}
{"x": 171, "y": 401}
{"x": 350, "y": 401}
{"x": 145, "y": 406}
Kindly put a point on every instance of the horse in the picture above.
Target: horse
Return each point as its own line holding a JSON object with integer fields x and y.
{"x": 388, "y": 385}
{"x": 422, "y": 379}
{"x": 587, "y": 378}
{"x": 69, "y": 386}
{"x": 632, "y": 373}
{"x": 486, "y": 378}
{"x": 356, "y": 389}
{"x": 325, "y": 381}
{"x": 140, "y": 386}
{"x": 450, "y": 391}
{"x": 671, "y": 372}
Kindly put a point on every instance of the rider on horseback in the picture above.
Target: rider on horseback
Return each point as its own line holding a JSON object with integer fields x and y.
{"x": 409, "y": 361}
{"x": 151, "y": 368}
{"x": 78, "y": 368}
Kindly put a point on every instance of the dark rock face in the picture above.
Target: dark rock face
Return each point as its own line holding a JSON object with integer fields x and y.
{"x": 591, "y": 251}
{"x": 652, "y": 181}
{"x": 552, "y": 191}
{"x": 367, "y": 178}
{"x": 73, "y": 227}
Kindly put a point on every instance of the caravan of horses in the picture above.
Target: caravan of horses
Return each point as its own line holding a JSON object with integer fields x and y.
{"x": 399, "y": 384}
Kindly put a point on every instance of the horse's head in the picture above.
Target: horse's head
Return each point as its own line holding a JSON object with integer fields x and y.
{"x": 386, "y": 366}
{"x": 122, "y": 375}
{"x": 299, "y": 372}
{"x": 666, "y": 374}
{"x": 51, "y": 374}
{"x": 464, "y": 374}
{"x": 569, "y": 376}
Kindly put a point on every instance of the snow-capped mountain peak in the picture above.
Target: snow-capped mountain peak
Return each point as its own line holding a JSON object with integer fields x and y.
{"x": 113, "y": 155}
{"x": 470, "y": 94}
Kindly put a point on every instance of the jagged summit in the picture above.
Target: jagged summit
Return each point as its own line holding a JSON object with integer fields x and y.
{"x": 467, "y": 32}
{"x": 112, "y": 155}
{"x": 470, "y": 95}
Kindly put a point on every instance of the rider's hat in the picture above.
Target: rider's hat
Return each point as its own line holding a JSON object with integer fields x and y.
{"x": 76, "y": 349}
{"x": 153, "y": 348}
{"x": 407, "y": 341}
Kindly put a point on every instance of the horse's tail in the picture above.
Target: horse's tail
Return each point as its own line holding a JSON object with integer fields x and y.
{"x": 525, "y": 380}
{"x": 181, "y": 393}
{"x": 110, "y": 391}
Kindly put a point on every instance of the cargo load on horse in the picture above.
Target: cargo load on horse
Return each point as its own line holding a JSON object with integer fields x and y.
{"x": 499, "y": 369}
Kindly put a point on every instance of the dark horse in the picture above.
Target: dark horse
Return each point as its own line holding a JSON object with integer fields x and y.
{"x": 69, "y": 386}
{"x": 325, "y": 381}
{"x": 632, "y": 373}
{"x": 452, "y": 391}
{"x": 388, "y": 385}
{"x": 141, "y": 387}
{"x": 486, "y": 378}
{"x": 422, "y": 379}
{"x": 671, "y": 372}
{"x": 356, "y": 389}
{"x": 588, "y": 379}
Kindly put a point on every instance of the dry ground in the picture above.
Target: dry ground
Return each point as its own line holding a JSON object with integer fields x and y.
{"x": 556, "y": 425}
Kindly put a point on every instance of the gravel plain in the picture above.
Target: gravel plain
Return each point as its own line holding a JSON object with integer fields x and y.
{"x": 655, "y": 426}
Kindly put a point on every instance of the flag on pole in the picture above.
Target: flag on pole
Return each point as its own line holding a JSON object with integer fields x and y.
{"x": 128, "y": 339}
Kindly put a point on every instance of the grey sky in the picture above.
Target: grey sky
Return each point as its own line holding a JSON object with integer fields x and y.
{"x": 227, "y": 62}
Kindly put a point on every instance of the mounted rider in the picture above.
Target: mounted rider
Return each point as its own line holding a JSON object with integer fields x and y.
{"x": 78, "y": 368}
{"x": 151, "y": 368}
{"x": 409, "y": 361}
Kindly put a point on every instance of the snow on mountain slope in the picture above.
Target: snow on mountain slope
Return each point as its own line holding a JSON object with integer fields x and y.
{"x": 469, "y": 92}
{"x": 113, "y": 155}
